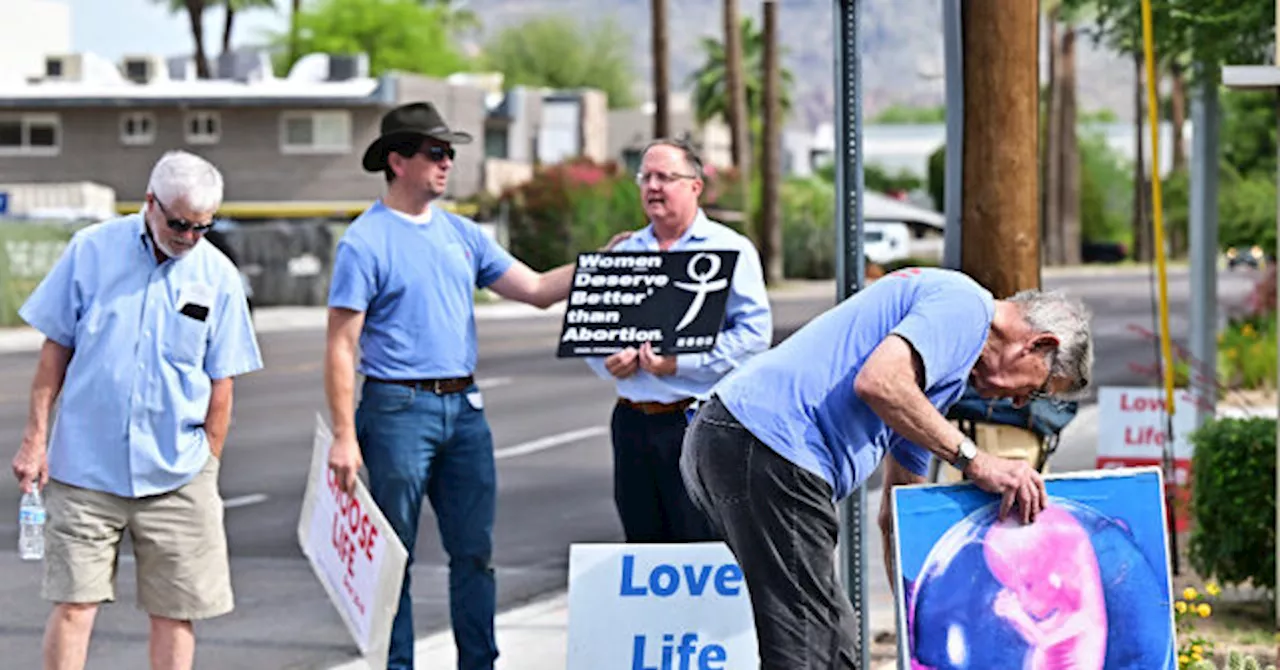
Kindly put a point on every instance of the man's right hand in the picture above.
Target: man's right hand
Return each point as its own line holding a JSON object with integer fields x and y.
{"x": 1016, "y": 481}
{"x": 345, "y": 461}
{"x": 31, "y": 464}
{"x": 624, "y": 363}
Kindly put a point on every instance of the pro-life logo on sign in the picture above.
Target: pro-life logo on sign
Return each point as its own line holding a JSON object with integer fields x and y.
{"x": 658, "y": 607}
{"x": 675, "y": 300}
{"x": 354, "y": 552}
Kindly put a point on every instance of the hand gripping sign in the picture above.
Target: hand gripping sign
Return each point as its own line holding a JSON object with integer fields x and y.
{"x": 675, "y": 300}
{"x": 353, "y": 551}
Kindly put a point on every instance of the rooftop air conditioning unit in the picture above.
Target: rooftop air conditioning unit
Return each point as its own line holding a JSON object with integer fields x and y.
{"x": 144, "y": 69}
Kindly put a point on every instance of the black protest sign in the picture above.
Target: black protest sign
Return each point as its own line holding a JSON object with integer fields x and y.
{"x": 675, "y": 300}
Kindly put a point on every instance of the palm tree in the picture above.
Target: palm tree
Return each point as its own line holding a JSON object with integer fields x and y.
{"x": 661, "y": 86}
{"x": 737, "y": 116}
{"x": 234, "y": 6}
{"x": 195, "y": 14}
{"x": 710, "y": 93}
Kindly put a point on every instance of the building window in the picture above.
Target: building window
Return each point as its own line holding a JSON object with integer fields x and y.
{"x": 495, "y": 143}
{"x": 137, "y": 128}
{"x": 306, "y": 132}
{"x": 203, "y": 128}
{"x": 30, "y": 134}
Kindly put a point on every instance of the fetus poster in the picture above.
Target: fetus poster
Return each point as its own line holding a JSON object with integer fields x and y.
{"x": 1084, "y": 586}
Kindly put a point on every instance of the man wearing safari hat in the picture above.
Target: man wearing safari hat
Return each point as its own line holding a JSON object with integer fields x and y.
{"x": 402, "y": 287}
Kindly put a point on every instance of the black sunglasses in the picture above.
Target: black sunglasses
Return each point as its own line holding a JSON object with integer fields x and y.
{"x": 436, "y": 153}
{"x": 181, "y": 225}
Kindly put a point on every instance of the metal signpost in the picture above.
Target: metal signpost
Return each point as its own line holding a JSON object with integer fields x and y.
{"x": 850, "y": 272}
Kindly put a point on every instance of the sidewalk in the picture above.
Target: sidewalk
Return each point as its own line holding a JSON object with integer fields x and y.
{"x": 536, "y": 637}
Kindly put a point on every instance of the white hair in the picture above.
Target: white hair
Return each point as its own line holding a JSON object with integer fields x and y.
{"x": 186, "y": 177}
{"x": 1068, "y": 320}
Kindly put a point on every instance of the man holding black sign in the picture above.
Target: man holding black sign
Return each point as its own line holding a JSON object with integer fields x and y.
{"x": 657, "y": 393}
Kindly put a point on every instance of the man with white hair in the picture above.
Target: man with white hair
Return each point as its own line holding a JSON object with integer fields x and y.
{"x": 145, "y": 328}
{"x": 799, "y": 427}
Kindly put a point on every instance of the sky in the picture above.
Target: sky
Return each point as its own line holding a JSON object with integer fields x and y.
{"x": 113, "y": 28}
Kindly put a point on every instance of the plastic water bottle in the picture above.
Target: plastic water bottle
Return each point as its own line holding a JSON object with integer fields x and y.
{"x": 31, "y": 518}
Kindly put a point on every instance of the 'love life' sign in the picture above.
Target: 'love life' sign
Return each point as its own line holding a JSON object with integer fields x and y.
{"x": 675, "y": 300}
{"x": 658, "y": 607}
{"x": 354, "y": 552}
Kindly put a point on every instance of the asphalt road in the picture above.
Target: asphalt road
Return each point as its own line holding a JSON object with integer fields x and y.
{"x": 549, "y": 420}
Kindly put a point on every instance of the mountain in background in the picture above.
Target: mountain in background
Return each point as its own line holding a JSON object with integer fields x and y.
{"x": 901, "y": 45}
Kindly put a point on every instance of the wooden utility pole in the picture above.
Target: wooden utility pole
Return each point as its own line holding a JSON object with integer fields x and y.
{"x": 736, "y": 100}
{"x": 771, "y": 156}
{"x": 661, "y": 87}
{"x": 1001, "y": 234}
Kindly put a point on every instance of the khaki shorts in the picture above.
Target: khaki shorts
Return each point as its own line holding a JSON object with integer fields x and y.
{"x": 178, "y": 540}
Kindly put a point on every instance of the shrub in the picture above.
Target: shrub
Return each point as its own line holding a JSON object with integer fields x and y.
{"x": 808, "y": 229}
{"x": 1247, "y": 352}
{"x": 1233, "y": 500}
{"x": 568, "y": 208}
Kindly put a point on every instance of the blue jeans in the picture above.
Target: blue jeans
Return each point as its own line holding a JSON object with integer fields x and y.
{"x": 415, "y": 442}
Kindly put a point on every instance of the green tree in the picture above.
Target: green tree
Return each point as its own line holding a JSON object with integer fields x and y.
{"x": 710, "y": 95}
{"x": 1106, "y": 191}
{"x": 1249, "y": 131}
{"x": 1212, "y": 32}
{"x": 904, "y": 115}
{"x": 560, "y": 52}
{"x": 395, "y": 34}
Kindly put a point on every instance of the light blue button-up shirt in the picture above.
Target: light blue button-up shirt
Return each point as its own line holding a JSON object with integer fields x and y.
{"x": 748, "y": 323}
{"x": 137, "y": 388}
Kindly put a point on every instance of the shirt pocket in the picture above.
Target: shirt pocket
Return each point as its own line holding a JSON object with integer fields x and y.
{"x": 186, "y": 341}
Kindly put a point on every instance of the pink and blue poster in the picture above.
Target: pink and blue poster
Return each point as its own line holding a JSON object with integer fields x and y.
{"x": 1084, "y": 586}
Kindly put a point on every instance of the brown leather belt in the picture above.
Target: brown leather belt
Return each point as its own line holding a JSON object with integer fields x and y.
{"x": 436, "y": 386}
{"x": 649, "y": 407}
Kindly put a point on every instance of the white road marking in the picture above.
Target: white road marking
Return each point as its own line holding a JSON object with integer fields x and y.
{"x": 244, "y": 501}
{"x": 549, "y": 442}
{"x": 493, "y": 382}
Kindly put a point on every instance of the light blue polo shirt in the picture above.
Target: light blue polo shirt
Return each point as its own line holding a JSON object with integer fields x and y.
{"x": 748, "y": 322}
{"x": 798, "y": 398}
{"x": 136, "y": 393}
{"x": 415, "y": 282}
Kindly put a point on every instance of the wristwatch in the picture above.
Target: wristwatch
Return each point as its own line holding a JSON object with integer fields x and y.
{"x": 968, "y": 451}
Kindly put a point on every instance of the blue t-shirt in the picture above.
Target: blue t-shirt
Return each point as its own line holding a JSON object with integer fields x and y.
{"x": 415, "y": 283}
{"x": 798, "y": 398}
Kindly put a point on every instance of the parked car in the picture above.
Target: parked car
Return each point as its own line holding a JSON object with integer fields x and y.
{"x": 1252, "y": 258}
{"x": 217, "y": 236}
{"x": 1103, "y": 252}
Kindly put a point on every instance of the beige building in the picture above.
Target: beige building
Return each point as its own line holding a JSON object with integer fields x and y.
{"x": 288, "y": 146}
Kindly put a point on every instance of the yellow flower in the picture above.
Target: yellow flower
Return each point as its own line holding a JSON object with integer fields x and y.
{"x": 1205, "y": 610}
{"x": 1197, "y": 656}
{"x": 1190, "y": 594}
{"x": 1181, "y": 607}
{"x": 1247, "y": 331}
{"x": 1183, "y": 659}
{"x": 1212, "y": 589}
{"x": 1197, "y": 649}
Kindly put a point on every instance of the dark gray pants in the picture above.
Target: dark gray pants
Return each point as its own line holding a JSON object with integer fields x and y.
{"x": 781, "y": 524}
{"x": 651, "y": 498}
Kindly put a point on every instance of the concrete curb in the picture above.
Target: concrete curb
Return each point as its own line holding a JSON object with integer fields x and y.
{"x": 295, "y": 318}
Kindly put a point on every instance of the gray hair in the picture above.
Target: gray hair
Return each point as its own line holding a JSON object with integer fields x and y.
{"x": 690, "y": 153}
{"x": 186, "y": 177}
{"x": 1068, "y": 320}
